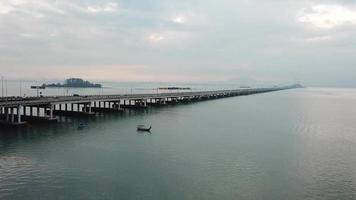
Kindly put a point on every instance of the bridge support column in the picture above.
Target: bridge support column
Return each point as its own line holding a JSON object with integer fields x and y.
{"x": 118, "y": 105}
{"x": 19, "y": 114}
{"x": 12, "y": 115}
{"x": 51, "y": 111}
{"x": 7, "y": 114}
{"x": 89, "y": 107}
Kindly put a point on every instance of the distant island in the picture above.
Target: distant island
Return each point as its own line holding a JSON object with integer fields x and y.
{"x": 174, "y": 88}
{"x": 74, "y": 82}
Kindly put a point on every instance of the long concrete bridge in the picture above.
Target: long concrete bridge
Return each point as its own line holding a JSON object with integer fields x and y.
{"x": 16, "y": 111}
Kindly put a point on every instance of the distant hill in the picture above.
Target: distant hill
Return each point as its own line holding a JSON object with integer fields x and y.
{"x": 74, "y": 82}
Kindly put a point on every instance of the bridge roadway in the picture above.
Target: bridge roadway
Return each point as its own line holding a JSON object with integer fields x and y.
{"x": 89, "y": 104}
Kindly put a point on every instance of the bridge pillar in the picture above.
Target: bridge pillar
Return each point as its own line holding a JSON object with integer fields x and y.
{"x": 12, "y": 115}
{"x": 89, "y": 107}
{"x": 7, "y": 114}
{"x": 116, "y": 105}
{"x": 19, "y": 114}
{"x": 51, "y": 111}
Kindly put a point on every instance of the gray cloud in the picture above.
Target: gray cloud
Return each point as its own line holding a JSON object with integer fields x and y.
{"x": 180, "y": 40}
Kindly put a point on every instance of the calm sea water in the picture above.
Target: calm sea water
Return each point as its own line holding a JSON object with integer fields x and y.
{"x": 295, "y": 144}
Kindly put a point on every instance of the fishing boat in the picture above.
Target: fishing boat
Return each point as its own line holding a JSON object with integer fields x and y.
{"x": 81, "y": 126}
{"x": 143, "y": 128}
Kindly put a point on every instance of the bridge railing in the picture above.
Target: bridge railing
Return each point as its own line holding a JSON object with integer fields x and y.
{"x": 9, "y": 101}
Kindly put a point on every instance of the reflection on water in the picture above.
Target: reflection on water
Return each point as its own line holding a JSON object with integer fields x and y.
{"x": 296, "y": 144}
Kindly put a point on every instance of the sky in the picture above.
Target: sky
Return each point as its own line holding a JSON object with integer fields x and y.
{"x": 239, "y": 41}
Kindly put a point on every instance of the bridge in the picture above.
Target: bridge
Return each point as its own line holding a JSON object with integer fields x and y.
{"x": 15, "y": 111}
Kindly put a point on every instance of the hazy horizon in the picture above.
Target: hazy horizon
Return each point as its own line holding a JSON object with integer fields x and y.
{"x": 235, "y": 42}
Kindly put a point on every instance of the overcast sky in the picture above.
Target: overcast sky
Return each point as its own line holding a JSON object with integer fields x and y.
{"x": 311, "y": 41}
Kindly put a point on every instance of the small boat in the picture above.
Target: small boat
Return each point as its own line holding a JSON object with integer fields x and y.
{"x": 143, "y": 128}
{"x": 81, "y": 126}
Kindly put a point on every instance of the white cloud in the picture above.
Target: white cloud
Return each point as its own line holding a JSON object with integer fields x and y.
{"x": 34, "y": 8}
{"x": 109, "y": 7}
{"x": 189, "y": 18}
{"x": 155, "y": 38}
{"x": 170, "y": 38}
{"x": 27, "y": 35}
{"x": 328, "y": 16}
{"x": 319, "y": 38}
{"x": 41, "y": 8}
{"x": 5, "y": 8}
{"x": 178, "y": 20}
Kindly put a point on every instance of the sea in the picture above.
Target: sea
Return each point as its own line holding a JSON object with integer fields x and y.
{"x": 291, "y": 144}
